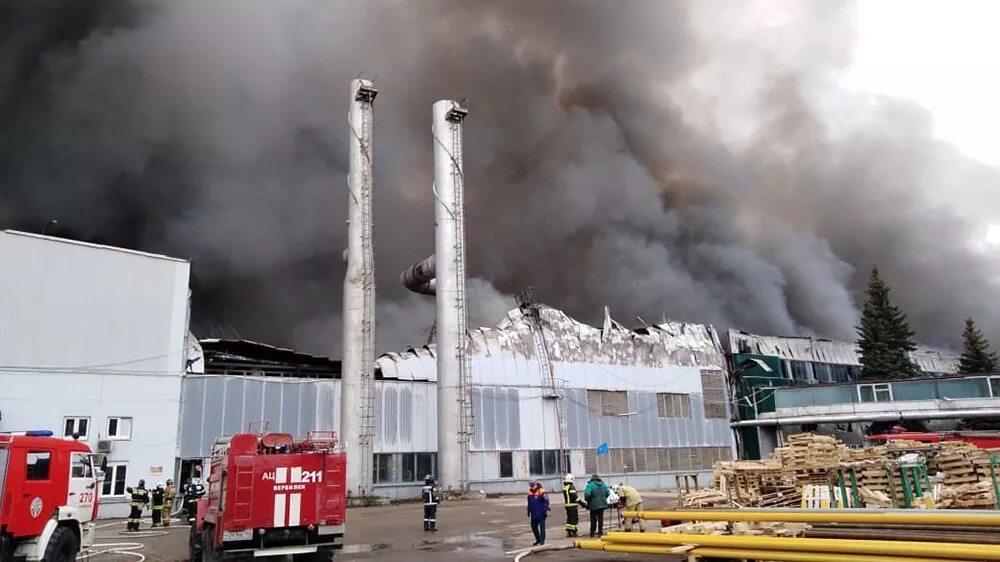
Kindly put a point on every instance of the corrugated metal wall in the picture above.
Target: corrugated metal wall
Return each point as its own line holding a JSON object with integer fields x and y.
{"x": 213, "y": 405}
{"x": 643, "y": 427}
{"x": 405, "y": 417}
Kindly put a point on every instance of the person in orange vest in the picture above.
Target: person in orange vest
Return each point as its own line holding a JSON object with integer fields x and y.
{"x": 538, "y": 511}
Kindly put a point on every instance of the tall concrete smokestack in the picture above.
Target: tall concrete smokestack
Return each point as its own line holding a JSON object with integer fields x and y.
{"x": 357, "y": 417}
{"x": 454, "y": 414}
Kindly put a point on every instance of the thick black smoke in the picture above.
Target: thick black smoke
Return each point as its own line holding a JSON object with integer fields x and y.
{"x": 695, "y": 161}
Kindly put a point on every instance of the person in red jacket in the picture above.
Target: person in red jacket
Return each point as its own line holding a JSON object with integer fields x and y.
{"x": 538, "y": 510}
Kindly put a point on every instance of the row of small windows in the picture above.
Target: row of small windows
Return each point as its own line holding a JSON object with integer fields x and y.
{"x": 810, "y": 371}
{"x": 117, "y": 427}
{"x": 614, "y": 403}
{"x": 670, "y": 459}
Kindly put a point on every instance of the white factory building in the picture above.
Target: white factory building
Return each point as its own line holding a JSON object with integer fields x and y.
{"x": 94, "y": 340}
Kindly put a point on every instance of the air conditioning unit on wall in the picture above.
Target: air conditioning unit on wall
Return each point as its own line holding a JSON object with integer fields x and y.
{"x": 104, "y": 447}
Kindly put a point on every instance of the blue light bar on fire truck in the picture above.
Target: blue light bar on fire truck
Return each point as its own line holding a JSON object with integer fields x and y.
{"x": 30, "y": 433}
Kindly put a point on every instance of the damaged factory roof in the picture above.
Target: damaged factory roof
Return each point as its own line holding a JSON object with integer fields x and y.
{"x": 512, "y": 342}
{"x": 245, "y": 357}
{"x": 804, "y": 348}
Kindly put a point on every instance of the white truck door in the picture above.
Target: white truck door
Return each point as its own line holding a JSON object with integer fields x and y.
{"x": 82, "y": 487}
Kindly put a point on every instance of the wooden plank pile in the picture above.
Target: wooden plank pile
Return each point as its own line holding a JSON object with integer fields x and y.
{"x": 705, "y": 498}
{"x": 815, "y": 459}
{"x": 978, "y": 495}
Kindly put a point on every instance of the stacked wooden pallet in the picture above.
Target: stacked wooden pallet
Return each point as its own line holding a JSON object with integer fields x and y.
{"x": 705, "y": 498}
{"x": 815, "y": 459}
{"x": 811, "y": 458}
{"x": 978, "y": 495}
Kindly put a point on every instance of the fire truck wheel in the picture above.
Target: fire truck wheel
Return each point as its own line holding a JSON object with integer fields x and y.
{"x": 6, "y": 548}
{"x": 208, "y": 552}
{"x": 194, "y": 546}
{"x": 62, "y": 546}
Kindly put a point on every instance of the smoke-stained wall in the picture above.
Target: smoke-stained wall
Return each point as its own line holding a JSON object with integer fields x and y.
{"x": 696, "y": 159}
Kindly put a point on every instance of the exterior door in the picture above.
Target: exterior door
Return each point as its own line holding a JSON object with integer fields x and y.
{"x": 34, "y": 504}
{"x": 82, "y": 487}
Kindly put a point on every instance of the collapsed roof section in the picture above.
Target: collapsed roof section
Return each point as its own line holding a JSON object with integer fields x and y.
{"x": 804, "y": 348}
{"x": 570, "y": 341}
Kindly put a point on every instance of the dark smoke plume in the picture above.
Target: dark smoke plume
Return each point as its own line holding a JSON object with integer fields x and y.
{"x": 690, "y": 160}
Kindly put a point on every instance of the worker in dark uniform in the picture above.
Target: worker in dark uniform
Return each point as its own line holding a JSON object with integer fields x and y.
{"x": 158, "y": 493}
{"x": 431, "y": 495}
{"x": 571, "y": 499}
{"x": 140, "y": 498}
{"x": 193, "y": 491}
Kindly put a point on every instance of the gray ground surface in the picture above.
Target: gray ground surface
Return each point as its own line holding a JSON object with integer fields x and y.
{"x": 481, "y": 529}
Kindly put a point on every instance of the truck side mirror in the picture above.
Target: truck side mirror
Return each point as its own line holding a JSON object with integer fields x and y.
{"x": 104, "y": 464}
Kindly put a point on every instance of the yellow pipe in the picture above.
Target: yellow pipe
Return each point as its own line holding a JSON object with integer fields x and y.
{"x": 789, "y": 556}
{"x": 634, "y": 548}
{"x": 743, "y": 553}
{"x": 841, "y": 546}
{"x": 908, "y": 517}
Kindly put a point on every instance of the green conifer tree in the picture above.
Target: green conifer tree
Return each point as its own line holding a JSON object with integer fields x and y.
{"x": 976, "y": 354}
{"x": 884, "y": 336}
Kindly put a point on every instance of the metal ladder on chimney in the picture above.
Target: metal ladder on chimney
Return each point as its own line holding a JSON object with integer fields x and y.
{"x": 466, "y": 421}
{"x": 533, "y": 314}
{"x": 367, "y": 389}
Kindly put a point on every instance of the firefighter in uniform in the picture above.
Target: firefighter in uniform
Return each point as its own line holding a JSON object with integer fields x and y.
{"x": 157, "y": 495}
{"x": 193, "y": 491}
{"x": 168, "y": 501}
{"x": 431, "y": 495}
{"x": 139, "y": 497}
{"x": 571, "y": 498}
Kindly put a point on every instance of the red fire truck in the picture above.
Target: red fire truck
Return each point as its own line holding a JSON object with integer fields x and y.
{"x": 270, "y": 495}
{"x": 981, "y": 439}
{"x": 48, "y": 497}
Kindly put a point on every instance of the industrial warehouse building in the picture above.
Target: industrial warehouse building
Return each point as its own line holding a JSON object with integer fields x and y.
{"x": 97, "y": 344}
{"x": 93, "y": 342}
{"x": 798, "y": 361}
{"x": 656, "y": 397}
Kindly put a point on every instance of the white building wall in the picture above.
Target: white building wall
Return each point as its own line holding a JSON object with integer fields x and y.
{"x": 96, "y": 332}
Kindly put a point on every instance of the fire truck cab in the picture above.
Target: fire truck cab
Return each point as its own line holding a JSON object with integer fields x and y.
{"x": 48, "y": 497}
{"x": 270, "y": 495}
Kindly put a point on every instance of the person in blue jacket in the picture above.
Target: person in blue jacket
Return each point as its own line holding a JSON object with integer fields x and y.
{"x": 538, "y": 510}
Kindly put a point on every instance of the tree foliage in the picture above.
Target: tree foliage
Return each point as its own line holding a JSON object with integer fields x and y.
{"x": 976, "y": 354}
{"x": 884, "y": 336}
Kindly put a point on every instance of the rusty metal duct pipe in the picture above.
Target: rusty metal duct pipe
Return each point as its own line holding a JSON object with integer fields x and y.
{"x": 419, "y": 277}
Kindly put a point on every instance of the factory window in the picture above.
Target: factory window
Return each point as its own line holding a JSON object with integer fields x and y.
{"x": 800, "y": 371}
{"x": 671, "y": 405}
{"x": 607, "y": 403}
{"x": 840, "y": 373}
{"x": 76, "y": 426}
{"x": 390, "y": 468}
{"x": 426, "y": 464}
{"x": 544, "y": 463}
{"x": 875, "y": 392}
{"x": 120, "y": 428}
{"x": 995, "y": 387}
{"x": 713, "y": 393}
{"x": 506, "y": 464}
{"x": 822, "y": 372}
{"x": 114, "y": 480}
{"x": 37, "y": 466}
